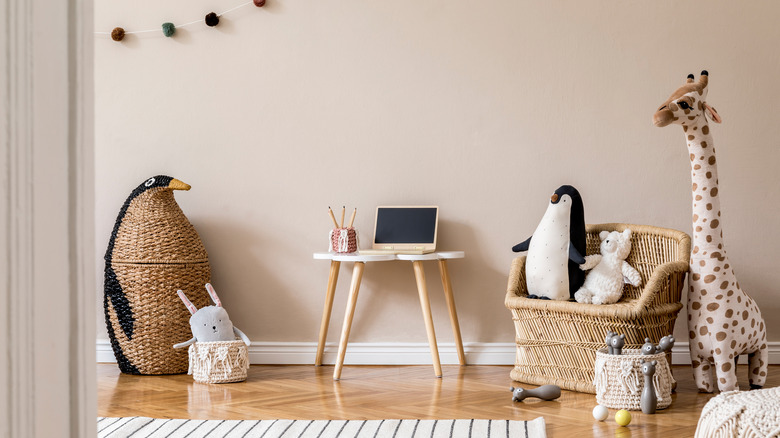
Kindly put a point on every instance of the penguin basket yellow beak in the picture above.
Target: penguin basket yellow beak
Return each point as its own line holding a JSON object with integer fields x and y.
{"x": 175, "y": 184}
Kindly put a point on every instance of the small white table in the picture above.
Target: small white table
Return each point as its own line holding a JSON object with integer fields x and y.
{"x": 357, "y": 275}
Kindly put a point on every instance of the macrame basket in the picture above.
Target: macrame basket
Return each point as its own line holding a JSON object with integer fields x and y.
{"x": 619, "y": 380}
{"x": 748, "y": 414}
{"x": 219, "y": 362}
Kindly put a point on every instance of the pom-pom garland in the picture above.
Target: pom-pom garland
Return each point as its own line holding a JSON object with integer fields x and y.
{"x": 212, "y": 19}
{"x": 168, "y": 29}
{"x": 118, "y": 34}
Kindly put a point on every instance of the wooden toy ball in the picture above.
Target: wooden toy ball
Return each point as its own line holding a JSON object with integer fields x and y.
{"x": 600, "y": 412}
{"x": 623, "y": 417}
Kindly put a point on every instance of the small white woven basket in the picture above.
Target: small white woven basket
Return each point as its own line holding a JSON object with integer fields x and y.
{"x": 619, "y": 380}
{"x": 219, "y": 362}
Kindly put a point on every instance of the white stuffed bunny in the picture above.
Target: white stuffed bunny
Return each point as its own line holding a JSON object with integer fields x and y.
{"x": 609, "y": 270}
{"x": 210, "y": 323}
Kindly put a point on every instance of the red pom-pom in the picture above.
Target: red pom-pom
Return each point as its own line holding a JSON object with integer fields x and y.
{"x": 117, "y": 34}
{"x": 212, "y": 19}
{"x": 259, "y": 3}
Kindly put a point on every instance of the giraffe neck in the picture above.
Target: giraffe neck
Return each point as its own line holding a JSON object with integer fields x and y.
{"x": 707, "y": 234}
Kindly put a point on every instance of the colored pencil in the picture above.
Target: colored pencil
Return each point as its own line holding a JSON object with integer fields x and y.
{"x": 352, "y": 219}
{"x": 333, "y": 217}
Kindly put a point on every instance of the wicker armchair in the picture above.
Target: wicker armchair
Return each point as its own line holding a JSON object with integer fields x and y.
{"x": 557, "y": 340}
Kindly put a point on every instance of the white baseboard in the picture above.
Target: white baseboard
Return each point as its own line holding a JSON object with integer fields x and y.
{"x": 392, "y": 353}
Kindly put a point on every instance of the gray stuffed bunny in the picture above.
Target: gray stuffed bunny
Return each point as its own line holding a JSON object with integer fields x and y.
{"x": 210, "y": 323}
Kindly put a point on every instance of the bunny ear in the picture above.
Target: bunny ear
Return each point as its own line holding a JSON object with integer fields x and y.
{"x": 191, "y": 307}
{"x": 213, "y": 294}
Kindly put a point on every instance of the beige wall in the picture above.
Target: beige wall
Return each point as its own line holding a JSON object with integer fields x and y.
{"x": 483, "y": 108}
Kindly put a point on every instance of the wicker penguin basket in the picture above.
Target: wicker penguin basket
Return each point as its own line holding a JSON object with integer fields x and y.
{"x": 154, "y": 251}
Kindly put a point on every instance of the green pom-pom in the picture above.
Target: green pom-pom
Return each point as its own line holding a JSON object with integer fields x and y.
{"x": 168, "y": 29}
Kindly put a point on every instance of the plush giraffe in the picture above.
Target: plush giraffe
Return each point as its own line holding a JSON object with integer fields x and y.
{"x": 723, "y": 321}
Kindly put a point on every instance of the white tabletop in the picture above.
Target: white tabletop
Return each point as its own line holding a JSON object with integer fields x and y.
{"x": 357, "y": 257}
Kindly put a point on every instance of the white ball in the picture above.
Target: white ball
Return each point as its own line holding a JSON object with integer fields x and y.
{"x": 600, "y": 413}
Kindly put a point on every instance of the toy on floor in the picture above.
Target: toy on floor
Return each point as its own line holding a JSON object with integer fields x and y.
{"x": 210, "y": 323}
{"x": 648, "y": 400}
{"x": 555, "y": 249}
{"x": 615, "y": 343}
{"x": 723, "y": 320}
{"x": 623, "y": 417}
{"x": 608, "y": 270}
{"x": 544, "y": 392}
{"x": 600, "y": 412}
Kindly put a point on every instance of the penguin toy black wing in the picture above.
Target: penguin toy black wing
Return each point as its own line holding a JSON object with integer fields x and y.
{"x": 114, "y": 295}
{"x": 556, "y": 248}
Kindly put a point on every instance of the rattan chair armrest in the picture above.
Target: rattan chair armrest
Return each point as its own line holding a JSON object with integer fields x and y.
{"x": 516, "y": 285}
{"x": 658, "y": 282}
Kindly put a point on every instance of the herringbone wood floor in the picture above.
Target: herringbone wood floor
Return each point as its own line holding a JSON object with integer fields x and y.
{"x": 376, "y": 392}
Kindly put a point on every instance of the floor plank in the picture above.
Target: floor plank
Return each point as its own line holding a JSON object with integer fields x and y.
{"x": 376, "y": 392}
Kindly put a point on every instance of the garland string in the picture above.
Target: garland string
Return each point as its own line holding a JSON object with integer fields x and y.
{"x": 179, "y": 25}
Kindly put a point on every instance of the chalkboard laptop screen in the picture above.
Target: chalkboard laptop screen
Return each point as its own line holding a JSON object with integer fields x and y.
{"x": 406, "y": 228}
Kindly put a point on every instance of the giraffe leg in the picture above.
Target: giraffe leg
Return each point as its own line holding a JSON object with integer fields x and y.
{"x": 726, "y": 373}
{"x": 702, "y": 375}
{"x": 757, "y": 363}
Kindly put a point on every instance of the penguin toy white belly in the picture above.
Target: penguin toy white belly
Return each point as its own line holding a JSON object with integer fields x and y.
{"x": 556, "y": 248}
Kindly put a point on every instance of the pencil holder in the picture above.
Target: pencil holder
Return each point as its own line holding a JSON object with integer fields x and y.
{"x": 343, "y": 240}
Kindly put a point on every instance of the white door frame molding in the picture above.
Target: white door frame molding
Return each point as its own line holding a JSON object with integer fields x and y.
{"x": 47, "y": 292}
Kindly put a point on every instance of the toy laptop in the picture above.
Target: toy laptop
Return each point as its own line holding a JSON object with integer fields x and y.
{"x": 404, "y": 230}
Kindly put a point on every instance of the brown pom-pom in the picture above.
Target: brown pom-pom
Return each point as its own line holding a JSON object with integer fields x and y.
{"x": 259, "y": 3}
{"x": 117, "y": 34}
{"x": 212, "y": 19}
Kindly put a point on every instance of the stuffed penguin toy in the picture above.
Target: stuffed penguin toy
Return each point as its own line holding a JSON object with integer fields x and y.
{"x": 556, "y": 248}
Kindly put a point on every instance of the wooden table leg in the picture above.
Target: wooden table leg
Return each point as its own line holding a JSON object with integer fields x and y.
{"x": 419, "y": 275}
{"x": 357, "y": 275}
{"x": 445, "y": 281}
{"x": 333, "y": 277}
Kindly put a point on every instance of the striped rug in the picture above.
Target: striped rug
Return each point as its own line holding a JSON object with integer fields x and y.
{"x": 143, "y": 427}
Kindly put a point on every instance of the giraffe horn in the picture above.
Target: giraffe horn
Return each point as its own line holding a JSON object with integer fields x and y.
{"x": 690, "y": 79}
{"x": 704, "y": 78}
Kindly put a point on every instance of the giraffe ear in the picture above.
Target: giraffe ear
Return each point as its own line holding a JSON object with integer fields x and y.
{"x": 710, "y": 111}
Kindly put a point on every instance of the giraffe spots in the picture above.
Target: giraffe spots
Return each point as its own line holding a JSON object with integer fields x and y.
{"x": 706, "y": 129}
{"x": 695, "y": 364}
{"x": 703, "y": 330}
{"x": 744, "y": 316}
{"x": 698, "y": 229}
{"x": 726, "y": 367}
{"x": 709, "y": 175}
{"x": 673, "y": 106}
{"x": 714, "y": 191}
{"x": 693, "y": 157}
{"x": 695, "y": 251}
{"x": 703, "y": 292}
{"x": 711, "y": 160}
{"x": 733, "y": 344}
{"x": 713, "y": 307}
{"x": 698, "y": 105}
{"x": 694, "y": 187}
{"x": 724, "y": 285}
{"x": 704, "y": 144}
{"x": 702, "y": 263}
{"x": 709, "y": 206}
{"x": 697, "y": 167}
{"x": 720, "y": 336}
{"x": 714, "y": 224}
{"x": 734, "y": 322}
{"x": 709, "y": 278}
{"x": 701, "y": 346}
{"x": 717, "y": 255}
{"x": 710, "y": 320}
{"x": 685, "y": 127}
{"x": 719, "y": 297}
{"x": 725, "y": 326}
{"x": 729, "y": 312}
{"x": 698, "y": 197}
{"x": 691, "y": 117}
{"x": 709, "y": 238}
{"x": 729, "y": 293}
{"x": 716, "y": 269}
{"x": 695, "y": 276}
{"x": 722, "y": 380}
{"x": 690, "y": 137}
{"x": 696, "y": 305}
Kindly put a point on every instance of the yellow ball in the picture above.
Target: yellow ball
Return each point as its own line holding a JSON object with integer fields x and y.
{"x": 622, "y": 417}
